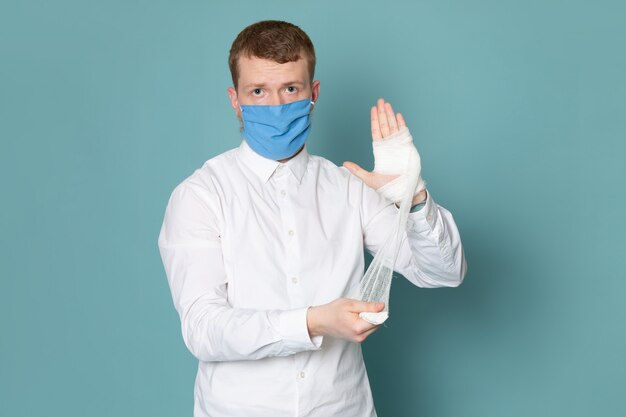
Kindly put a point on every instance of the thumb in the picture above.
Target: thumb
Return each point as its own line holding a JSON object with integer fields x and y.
{"x": 357, "y": 170}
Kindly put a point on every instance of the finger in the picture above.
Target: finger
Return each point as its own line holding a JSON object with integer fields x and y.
{"x": 382, "y": 118}
{"x": 364, "y": 306}
{"x": 376, "y": 135}
{"x": 391, "y": 118}
{"x": 400, "y": 120}
{"x": 363, "y": 174}
{"x": 361, "y": 326}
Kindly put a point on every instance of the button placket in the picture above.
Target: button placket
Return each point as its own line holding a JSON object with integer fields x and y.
{"x": 292, "y": 260}
{"x": 292, "y": 243}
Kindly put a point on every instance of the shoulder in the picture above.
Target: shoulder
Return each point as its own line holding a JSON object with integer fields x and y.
{"x": 204, "y": 182}
{"x": 205, "y": 176}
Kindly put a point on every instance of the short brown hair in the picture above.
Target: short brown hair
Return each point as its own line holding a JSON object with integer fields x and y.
{"x": 275, "y": 40}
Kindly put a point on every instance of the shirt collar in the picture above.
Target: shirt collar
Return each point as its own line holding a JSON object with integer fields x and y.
{"x": 264, "y": 167}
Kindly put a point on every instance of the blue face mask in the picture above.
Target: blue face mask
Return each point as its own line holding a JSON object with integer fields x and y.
{"x": 277, "y": 132}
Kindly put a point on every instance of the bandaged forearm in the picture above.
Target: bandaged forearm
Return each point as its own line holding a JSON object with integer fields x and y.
{"x": 392, "y": 156}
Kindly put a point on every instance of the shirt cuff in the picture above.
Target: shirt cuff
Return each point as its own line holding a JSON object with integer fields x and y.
{"x": 295, "y": 332}
{"x": 425, "y": 218}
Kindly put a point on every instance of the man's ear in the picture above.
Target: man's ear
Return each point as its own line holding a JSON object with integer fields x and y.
{"x": 234, "y": 102}
{"x": 315, "y": 90}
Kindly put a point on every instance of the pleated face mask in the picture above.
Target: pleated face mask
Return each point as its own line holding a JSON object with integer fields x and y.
{"x": 277, "y": 132}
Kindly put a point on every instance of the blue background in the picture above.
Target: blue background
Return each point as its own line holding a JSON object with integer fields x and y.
{"x": 518, "y": 109}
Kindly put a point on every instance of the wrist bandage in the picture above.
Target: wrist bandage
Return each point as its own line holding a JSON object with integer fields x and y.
{"x": 392, "y": 156}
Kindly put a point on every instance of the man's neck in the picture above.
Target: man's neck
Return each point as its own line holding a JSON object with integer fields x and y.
{"x": 292, "y": 156}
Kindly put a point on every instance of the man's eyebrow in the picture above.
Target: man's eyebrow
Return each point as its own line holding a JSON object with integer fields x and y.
{"x": 293, "y": 83}
{"x": 255, "y": 85}
{"x": 263, "y": 85}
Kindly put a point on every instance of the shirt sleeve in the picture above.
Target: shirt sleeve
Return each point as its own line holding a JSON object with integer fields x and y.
{"x": 190, "y": 247}
{"x": 430, "y": 254}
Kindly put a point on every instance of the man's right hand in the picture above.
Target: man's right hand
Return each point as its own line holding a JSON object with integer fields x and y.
{"x": 340, "y": 318}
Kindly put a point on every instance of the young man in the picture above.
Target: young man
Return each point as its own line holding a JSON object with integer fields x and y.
{"x": 263, "y": 245}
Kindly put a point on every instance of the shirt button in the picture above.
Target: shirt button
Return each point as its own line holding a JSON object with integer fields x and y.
{"x": 429, "y": 217}
{"x": 291, "y": 232}
{"x": 283, "y": 193}
{"x": 294, "y": 280}
{"x": 302, "y": 374}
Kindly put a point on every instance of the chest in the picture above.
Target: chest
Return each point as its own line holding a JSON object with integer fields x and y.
{"x": 284, "y": 237}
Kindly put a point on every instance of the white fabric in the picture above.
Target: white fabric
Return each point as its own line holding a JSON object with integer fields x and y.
{"x": 374, "y": 318}
{"x": 249, "y": 243}
{"x": 392, "y": 157}
{"x": 376, "y": 283}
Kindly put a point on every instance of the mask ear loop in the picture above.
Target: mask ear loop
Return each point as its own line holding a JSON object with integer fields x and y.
{"x": 239, "y": 104}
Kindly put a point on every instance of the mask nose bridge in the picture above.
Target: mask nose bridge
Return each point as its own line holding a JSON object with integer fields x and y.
{"x": 281, "y": 104}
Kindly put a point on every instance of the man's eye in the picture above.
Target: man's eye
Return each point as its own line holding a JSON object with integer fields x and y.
{"x": 291, "y": 89}
{"x": 256, "y": 91}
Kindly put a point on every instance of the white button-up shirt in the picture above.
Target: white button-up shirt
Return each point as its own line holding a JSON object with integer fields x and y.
{"x": 249, "y": 243}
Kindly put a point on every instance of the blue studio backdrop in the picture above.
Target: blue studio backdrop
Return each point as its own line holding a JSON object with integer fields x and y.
{"x": 518, "y": 110}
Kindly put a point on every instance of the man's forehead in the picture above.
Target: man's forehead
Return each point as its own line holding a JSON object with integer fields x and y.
{"x": 264, "y": 71}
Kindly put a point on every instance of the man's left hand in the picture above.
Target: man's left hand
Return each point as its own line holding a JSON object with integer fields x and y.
{"x": 384, "y": 122}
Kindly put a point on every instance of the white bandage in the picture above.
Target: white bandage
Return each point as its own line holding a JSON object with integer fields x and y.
{"x": 374, "y": 318}
{"x": 392, "y": 156}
